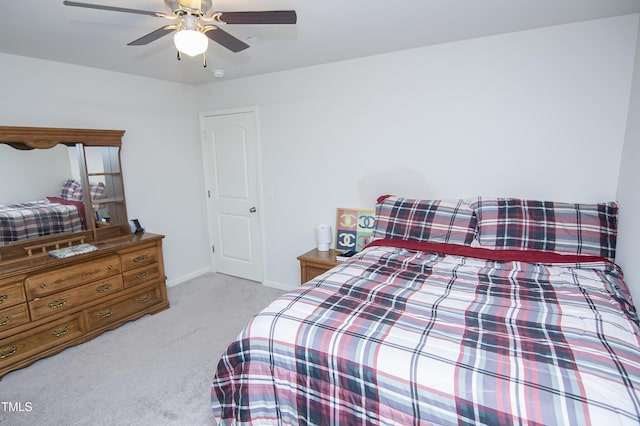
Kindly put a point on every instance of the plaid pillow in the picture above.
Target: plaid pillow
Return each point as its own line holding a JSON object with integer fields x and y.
{"x": 77, "y": 194}
{"x": 97, "y": 190}
{"x": 441, "y": 221}
{"x": 70, "y": 190}
{"x": 512, "y": 223}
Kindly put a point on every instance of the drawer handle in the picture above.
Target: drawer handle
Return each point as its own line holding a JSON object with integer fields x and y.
{"x": 142, "y": 275}
{"x": 8, "y": 351}
{"x": 57, "y": 303}
{"x": 60, "y": 331}
{"x": 139, "y": 259}
{"x": 104, "y": 287}
{"x": 106, "y": 313}
{"x": 143, "y": 298}
{"x": 4, "y": 321}
{"x": 3, "y": 297}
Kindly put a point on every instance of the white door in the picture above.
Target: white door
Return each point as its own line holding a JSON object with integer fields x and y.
{"x": 230, "y": 146}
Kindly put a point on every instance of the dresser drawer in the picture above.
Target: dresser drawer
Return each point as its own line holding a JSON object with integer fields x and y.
{"x": 138, "y": 301}
{"x": 13, "y": 316}
{"x": 61, "y": 279}
{"x": 11, "y": 294}
{"x": 141, "y": 275}
{"x": 58, "y": 302}
{"x": 39, "y": 339}
{"x": 142, "y": 256}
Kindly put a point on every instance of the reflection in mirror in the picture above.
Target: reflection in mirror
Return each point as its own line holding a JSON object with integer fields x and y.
{"x": 35, "y": 173}
{"x": 41, "y": 193}
{"x": 105, "y": 183}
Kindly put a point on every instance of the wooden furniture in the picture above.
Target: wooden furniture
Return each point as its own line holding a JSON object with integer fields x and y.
{"x": 94, "y": 157}
{"x": 314, "y": 263}
{"x": 47, "y": 303}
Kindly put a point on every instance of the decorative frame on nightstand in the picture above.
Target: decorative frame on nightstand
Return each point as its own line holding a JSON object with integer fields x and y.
{"x": 354, "y": 228}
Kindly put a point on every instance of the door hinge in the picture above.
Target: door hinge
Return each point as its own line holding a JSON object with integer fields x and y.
{"x": 209, "y": 194}
{"x": 213, "y": 249}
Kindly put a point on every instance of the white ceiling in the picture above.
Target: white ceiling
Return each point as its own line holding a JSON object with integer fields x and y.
{"x": 327, "y": 31}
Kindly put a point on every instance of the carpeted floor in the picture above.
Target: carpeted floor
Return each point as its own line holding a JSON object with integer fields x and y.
{"x": 154, "y": 371}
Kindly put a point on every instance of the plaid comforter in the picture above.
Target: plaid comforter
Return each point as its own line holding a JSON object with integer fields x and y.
{"x": 36, "y": 219}
{"x": 401, "y": 336}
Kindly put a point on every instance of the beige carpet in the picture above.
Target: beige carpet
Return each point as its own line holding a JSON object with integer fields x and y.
{"x": 154, "y": 371}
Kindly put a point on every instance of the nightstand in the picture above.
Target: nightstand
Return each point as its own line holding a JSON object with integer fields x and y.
{"x": 314, "y": 263}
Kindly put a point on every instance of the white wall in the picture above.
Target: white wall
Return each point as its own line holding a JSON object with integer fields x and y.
{"x": 30, "y": 175}
{"x": 161, "y": 156}
{"x": 537, "y": 114}
{"x": 628, "y": 191}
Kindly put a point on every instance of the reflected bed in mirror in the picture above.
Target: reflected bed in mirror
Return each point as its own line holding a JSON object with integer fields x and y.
{"x": 59, "y": 184}
{"x": 41, "y": 193}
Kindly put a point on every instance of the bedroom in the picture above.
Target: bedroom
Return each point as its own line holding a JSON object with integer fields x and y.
{"x": 558, "y": 97}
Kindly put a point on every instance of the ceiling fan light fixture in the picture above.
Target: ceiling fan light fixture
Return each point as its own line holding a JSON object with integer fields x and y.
{"x": 191, "y": 42}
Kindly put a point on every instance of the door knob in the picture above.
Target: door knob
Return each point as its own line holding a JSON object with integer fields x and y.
{"x": 252, "y": 210}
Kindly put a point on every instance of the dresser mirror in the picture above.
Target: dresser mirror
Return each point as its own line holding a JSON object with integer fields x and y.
{"x": 58, "y": 184}
{"x": 34, "y": 174}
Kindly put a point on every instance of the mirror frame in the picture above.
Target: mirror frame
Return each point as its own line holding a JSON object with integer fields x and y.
{"x": 27, "y": 138}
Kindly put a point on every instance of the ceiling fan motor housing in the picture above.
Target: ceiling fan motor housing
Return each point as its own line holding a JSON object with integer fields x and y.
{"x": 188, "y": 7}
{"x": 189, "y": 22}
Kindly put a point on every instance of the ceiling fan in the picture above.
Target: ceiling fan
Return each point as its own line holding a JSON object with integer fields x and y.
{"x": 194, "y": 22}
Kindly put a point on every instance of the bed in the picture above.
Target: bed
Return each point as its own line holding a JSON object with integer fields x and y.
{"x": 35, "y": 219}
{"x": 51, "y": 215}
{"x": 490, "y": 311}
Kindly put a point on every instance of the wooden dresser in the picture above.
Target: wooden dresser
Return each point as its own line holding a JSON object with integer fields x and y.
{"x": 48, "y": 304}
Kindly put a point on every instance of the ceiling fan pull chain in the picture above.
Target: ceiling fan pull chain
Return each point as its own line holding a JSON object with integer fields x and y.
{"x": 178, "y": 55}
{"x": 204, "y": 63}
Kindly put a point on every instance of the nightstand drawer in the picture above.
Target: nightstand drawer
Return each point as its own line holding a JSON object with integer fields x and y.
{"x": 314, "y": 263}
{"x": 312, "y": 271}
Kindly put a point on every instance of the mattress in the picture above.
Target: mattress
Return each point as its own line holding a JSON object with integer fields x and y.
{"x": 431, "y": 334}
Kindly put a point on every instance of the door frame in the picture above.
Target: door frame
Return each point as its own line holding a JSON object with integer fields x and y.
{"x": 207, "y": 175}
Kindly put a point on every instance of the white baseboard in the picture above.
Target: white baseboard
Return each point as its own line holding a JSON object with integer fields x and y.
{"x": 175, "y": 281}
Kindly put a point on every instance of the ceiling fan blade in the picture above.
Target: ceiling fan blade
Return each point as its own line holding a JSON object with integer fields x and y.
{"x": 153, "y": 36}
{"x": 225, "y": 39}
{"x": 112, "y": 8}
{"x": 265, "y": 17}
